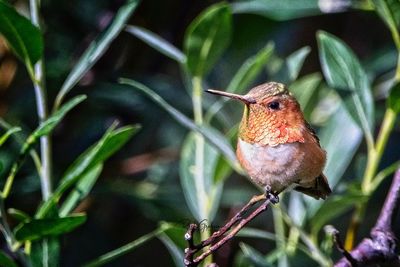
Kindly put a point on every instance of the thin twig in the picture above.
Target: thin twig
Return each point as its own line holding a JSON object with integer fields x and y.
{"x": 218, "y": 238}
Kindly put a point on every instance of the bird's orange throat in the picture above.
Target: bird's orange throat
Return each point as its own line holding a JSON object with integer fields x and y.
{"x": 258, "y": 127}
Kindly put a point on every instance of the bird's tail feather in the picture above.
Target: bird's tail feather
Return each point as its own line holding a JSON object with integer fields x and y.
{"x": 320, "y": 189}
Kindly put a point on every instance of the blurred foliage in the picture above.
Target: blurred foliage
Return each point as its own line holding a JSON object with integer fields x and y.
{"x": 122, "y": 194}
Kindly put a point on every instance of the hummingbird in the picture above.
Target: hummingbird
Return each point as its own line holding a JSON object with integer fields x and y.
{"x": 276, "y": 145}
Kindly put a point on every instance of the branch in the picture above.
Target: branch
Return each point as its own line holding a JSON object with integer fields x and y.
{"x": 381, "y": 247}
{"x": 218, "y": 238}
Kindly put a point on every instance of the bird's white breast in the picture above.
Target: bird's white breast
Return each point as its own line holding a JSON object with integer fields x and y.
{"x": 276, "y": 166}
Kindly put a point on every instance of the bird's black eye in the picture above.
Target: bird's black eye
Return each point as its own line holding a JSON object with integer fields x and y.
{"x": 274, "y": 105}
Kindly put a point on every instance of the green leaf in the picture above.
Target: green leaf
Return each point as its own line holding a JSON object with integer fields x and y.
{"x": 24, "y": 38}
{"x": 39, "y": 228}
{"x": 81, "y": 190}
{"x": 9, "y": 132}
{"x": 332, "y": 208}
{"x": 287, "y": 9}
{"x": 256, "y": 233}
{"x": 393, "y": 101}
{"x": 254, "y": 256}
{"x": 96, "y": 49}
{"x": 6, "y": 260}
{"x": 295, "y": 62}
{"x": 112, "y": 255}
{"x": 389, "y": 11}
{"x": 201, "y": 193}
{"x": 19, "y": 215}
{"x": 45, "y": 252}
{"x": 211, "y": 135}
{"x": 158, "y": 43}
{"x": 48, "y": 125}
{"x": 111, "y": 142}
{"x": 207, "y": 38}
{"x": 44, "y": 128}
{"x": 343, "y": 71}
{"x": 174, "y": 250}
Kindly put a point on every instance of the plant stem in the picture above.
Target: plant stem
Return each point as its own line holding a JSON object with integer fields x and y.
{"x": 41, "y": 105}
{"x": 367, "y": 186}
{"x": 280, "y": 233}
{"x": 199, "y": 157}
{"x": 375, "y": 154}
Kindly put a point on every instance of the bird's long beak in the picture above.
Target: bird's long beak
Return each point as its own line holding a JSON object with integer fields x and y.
{"x": 245, "y": 99}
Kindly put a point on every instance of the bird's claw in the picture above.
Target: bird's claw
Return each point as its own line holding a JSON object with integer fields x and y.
{"x": 271, "y": 196}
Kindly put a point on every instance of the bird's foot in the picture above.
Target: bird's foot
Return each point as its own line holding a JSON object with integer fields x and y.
{"x": 274, "y": 198}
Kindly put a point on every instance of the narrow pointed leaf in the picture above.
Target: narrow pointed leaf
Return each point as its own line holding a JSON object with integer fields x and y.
{"x": 207, "y": 38}
{"x": 158, "y": 43}
{"x": 201, "y": 193}
{"x": 343, "y": 71}
{"x": 254, "y": 256}
{"x": 46, "y": 252}
{"x": 131, "y": 246}
{"x": 175, "y": 252}
{"x": 24, "y": 38}
{"x": 296, "y": 60}
{"x": 111, "y": 142}
{"x": 81, "y": 190}
{"x": 97, "y": 48}
{"x": 48, "y": 125}
{"x": 18, "y": 215}
{"x": 389, "y": 11}
{"x": 287, "y": 9}
{"x": 9, "y": 132}
{"x": 211, "y": 135}
{"x": 39, "y": 228}
{"x": 334, "y": 207}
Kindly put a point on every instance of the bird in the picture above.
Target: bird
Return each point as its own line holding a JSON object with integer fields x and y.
{"x": 276, "y": 146}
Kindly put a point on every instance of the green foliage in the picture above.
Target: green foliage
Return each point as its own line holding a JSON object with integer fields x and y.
{"x": 23, "y": 37}
{"x": 254, "y": 256}
{"x": 212, "y": 135}
{"x": 206, "y": 38}
{"x": 201, "y": 191}
{"x": 278, "y": 10}
{"x": 6, "y": 135}
{"x": 47, "y": 126}
{"x": 128, "y": 247}
{"x": 96, "y": 49}
{"x": 157, "y": 43}
{"x": 343, "y": 71}
{"x": 39, "y": 228}
{"x": 85, "y": 167}
{"x": 393, "y": 99}
{"x": 389, "y": 10}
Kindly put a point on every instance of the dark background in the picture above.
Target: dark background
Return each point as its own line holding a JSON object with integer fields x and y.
{"x": 140, "y": 185}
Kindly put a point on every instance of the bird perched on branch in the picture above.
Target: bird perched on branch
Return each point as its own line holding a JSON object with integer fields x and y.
{"x": 276, "y": 145}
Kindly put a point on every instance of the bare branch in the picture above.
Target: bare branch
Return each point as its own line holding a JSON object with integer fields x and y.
{"x": 381, "y": 247}
{"x": 218, "y": 238}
